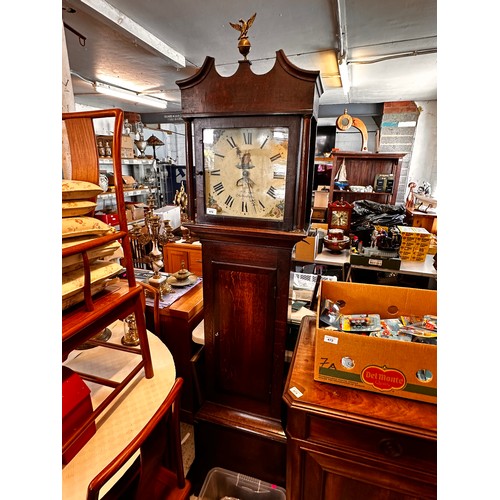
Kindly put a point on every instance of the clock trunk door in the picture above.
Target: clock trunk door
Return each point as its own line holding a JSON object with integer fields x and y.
{"x": 243, "y": 332}
{"x": 245, "y": 325}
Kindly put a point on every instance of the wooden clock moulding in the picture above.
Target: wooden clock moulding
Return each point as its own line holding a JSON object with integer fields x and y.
{"x": 284, "y": 90}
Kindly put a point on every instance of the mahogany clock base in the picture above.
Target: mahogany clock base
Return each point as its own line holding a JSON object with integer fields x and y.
{"x": 240, "y": 442}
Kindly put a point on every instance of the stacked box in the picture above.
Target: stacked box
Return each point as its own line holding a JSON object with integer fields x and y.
{"x": 415, "y": 243}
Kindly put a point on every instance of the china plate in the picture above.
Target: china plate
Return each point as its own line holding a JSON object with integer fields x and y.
{"x": 175, "y": 282}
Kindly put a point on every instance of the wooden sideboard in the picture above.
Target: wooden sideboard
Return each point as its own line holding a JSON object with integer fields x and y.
{"x": 346, "y": 444}
{"x": 176, "y": 253}
{"x": 422, "y": 219}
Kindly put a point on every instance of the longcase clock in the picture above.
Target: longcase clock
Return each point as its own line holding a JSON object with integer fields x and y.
{"x": 250, "y": 143}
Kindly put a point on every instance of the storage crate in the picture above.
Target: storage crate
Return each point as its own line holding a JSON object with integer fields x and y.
{"x": 221, "y": 483}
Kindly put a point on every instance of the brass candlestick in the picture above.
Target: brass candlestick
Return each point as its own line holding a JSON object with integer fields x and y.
{"x": 157, "y": 234}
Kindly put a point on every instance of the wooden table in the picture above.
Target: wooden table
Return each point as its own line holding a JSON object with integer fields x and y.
{"x": 176, "y": 325}
{"x": 125, "y": 417}
{"x": 345, "y": 443}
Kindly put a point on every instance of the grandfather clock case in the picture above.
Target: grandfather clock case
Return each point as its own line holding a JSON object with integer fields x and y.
{"x": 247, "y": 239}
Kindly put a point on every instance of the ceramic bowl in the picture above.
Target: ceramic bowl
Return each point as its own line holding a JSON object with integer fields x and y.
{"x": 337, "y": 246}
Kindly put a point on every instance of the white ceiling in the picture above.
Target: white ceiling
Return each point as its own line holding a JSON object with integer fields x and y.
{"x": 378, "y": 38}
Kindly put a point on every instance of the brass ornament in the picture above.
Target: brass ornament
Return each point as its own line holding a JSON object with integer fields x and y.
{"x": 244, "y": 44}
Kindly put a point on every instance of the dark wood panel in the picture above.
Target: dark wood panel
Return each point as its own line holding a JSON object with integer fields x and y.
{"x": 244, "y": 329}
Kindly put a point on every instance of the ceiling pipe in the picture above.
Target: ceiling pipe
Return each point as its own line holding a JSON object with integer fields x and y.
{"x": 342, "y": 55}
{"x": 396, "y": 55}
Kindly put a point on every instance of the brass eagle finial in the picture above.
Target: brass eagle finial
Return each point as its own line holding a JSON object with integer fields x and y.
{"x": 243, "y": 41}
{"x": 243, "y": 26}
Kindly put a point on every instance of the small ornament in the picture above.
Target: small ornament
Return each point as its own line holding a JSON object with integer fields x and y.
{"x": 130, "y": 333}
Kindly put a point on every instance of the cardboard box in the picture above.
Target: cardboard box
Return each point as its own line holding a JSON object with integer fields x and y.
{"x": 376, "y": 364}
{"x": 415, "y": 243}
{"x": 171, "y": 213}
{"x": 127, "y": 147}
{"x": 76, "y": 408}
{"x": 129, "y": 182}
{"x": 307, "y": 249}
{"x": 322, "y": 230}
{"x": 134, "y": 211}
{"x": 363, "y": 260}
{"x": 321, "y": 199}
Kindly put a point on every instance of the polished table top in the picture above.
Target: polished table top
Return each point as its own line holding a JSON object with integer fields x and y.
{"x": 125, "y": 417}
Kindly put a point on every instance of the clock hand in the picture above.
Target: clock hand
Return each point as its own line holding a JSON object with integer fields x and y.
{"x": 249, "y": 186}
{"x": 246, "y": 181}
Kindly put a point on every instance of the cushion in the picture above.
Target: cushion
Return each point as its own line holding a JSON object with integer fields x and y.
{"x": 84, "y": 226}
{"x": 79, "y": 190}
{"x": 76, "y": 261}
{"x": 73, "y": 281}
{"x": 77, "y": 207}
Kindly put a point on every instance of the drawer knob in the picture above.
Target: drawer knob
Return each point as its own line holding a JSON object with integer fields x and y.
{"x": 391, "y": 448}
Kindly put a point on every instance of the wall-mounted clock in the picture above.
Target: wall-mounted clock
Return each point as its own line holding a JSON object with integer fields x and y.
{"x": 250, "y": 142}
{"x": 339, "y": 215}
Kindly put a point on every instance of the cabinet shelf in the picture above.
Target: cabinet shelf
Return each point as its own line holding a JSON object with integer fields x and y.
{"x": 126, "y": 193}
{"x": 362, "y": 193}
{"x": 127, "y": 161}
{"x": 361, "y": 170}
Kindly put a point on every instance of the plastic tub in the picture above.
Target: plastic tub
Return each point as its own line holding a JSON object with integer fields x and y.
{"x": 221, "y": 483}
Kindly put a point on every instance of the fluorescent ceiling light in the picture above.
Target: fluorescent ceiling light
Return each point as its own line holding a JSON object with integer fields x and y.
{"x": 344, "y": 75}
{"x": 103, "y": 88}
{"x": 144, "y": 37}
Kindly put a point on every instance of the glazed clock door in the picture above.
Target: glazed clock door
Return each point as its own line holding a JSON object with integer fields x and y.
{"x": 245, "y": 171}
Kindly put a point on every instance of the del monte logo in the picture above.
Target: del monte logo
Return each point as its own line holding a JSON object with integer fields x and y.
{"x": 383, "y": 378}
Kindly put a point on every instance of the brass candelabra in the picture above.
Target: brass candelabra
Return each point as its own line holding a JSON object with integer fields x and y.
{"x": 157, "y": 232}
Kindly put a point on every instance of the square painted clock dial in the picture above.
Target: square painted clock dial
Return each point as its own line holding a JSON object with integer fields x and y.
{"x": 245, "y": 171}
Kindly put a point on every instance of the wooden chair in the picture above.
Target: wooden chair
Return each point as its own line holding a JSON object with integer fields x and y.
{"x": 158, "y": 472}
{"x": 83, "y": 321}
{"x": 156, "y": 304}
